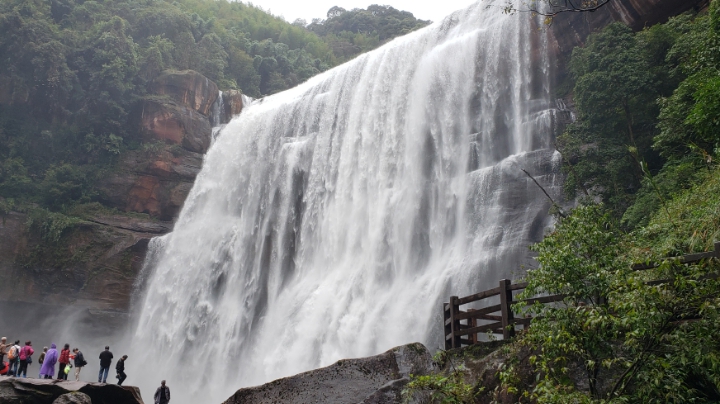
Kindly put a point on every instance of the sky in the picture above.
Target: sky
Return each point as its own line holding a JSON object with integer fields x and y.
{"x": 308, "y": 9}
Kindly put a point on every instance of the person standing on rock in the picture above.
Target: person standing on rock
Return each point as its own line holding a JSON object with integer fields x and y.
{"x": 25, "y": 358}
{"x": 48, "y": 366}
{"x": 120, "y": 369}
{"x": 41, "y": 359}
{"x": 105, "y": 360}
{"x": 14, "y": 357}
{"x": 162, "y": 394}
{"x": 64, "y": 361}
{"x": 79, "y": 363}
{"x": 3, "y": 349}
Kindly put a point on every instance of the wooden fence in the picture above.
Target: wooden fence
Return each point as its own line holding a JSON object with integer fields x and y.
{"x": 463, "y": 327}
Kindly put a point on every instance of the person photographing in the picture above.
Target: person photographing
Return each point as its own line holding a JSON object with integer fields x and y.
{"x": 79, "y": 363}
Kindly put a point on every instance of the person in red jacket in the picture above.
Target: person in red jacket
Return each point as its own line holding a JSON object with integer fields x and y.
{"x": 25, "y": 358}
{"x": 64, "y": 360}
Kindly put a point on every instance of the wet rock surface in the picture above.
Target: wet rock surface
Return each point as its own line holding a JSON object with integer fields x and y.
{"x": 373, "y": 380}
{"x": 232, "y": 105}
{"x": 50, "y": 391}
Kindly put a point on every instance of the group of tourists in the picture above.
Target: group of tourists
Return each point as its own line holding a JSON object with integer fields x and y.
{"x": 18, "y": 359}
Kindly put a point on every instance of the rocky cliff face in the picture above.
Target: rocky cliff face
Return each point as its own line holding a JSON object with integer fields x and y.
{"x": 96, "y": 263}
{"x": 174, "y": 123}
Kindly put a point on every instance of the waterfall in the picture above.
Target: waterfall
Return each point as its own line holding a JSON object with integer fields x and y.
{"x": 217, "y": 116}
{"x": 331, "y": 220}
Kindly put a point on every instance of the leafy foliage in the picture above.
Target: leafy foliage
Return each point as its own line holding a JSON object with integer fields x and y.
{"x": 648, "y": 107}
{"x": 50, "y": 226}
{"x": 618, "y": 77}
{"x": 445, "y": 389}
{"x": 615, "y": 337}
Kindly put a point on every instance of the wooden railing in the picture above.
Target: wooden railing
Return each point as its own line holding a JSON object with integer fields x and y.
{"x": 463, "y": 327}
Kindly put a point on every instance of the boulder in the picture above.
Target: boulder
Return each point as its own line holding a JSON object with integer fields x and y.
{"x": 373, "y": 380}
{"x": 51, "y": 391}
{"x": 188, "y": 88}
{"x": 73, "y": 398}
{"x": 175, "y": 124}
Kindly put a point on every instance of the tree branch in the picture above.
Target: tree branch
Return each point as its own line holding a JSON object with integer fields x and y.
{"x": 560, "y": 211}
{"x": 567, "y": 6}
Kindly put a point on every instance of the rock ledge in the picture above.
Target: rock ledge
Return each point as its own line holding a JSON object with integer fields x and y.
{"x": 374, "y": 380}
{"x": 46, "y": 391}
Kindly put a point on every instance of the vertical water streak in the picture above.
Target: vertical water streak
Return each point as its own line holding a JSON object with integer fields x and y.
{"x": 331, "y": 220}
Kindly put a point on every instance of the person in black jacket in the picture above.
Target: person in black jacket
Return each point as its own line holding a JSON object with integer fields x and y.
{"x": 162, "y": 394}
{"x": 79, "y": 363}
{"x": 120, "y": 369}
{"x": 105, "y": 360}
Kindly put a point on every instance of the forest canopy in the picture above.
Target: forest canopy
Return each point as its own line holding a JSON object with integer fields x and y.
{"x": 350, "y": 32}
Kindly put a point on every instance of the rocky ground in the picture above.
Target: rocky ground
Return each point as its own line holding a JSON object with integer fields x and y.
{"x": 381, "y": 379}
{"x": 373, "y": 380}
{"x": 39, "y": 391}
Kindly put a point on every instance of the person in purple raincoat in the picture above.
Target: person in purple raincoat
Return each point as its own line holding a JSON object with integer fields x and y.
{"x": 48, "y": 367}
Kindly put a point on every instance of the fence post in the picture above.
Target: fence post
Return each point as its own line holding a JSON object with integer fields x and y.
{"x": 717, "y": 249}
{"x": 472, "y": 323}
{"x": 454, "y": 323}
{"x": 506, "y": 299}
{"x": 447, "y": 327}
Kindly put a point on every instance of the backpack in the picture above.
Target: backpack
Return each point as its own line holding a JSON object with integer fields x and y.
{"x": 81, "y": 359}
{"x": 13, "y": 354}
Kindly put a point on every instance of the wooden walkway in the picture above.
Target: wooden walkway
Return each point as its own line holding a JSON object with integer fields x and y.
{"x": 462, "y": 327}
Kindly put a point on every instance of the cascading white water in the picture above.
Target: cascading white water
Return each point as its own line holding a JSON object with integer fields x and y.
{"x": 331, "y": 220}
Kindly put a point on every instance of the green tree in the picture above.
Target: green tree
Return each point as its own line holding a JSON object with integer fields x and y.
{"x": 347, "y": 32}
{"x": 618, "y": 77}
{"x": 633, "y": 341}
{"x": 156, "y": 57}
{"x": 689, "y": 117}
